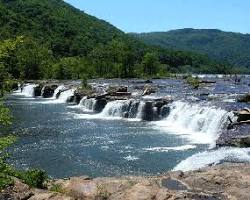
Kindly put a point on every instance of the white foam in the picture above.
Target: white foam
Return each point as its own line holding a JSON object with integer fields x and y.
{"x": 207, "y": 158}
{"x": 87, "y": 104}
{"x": 131, "y": 158}
{"x": 57, "y": 90}
{"x": 167, "y": 149}
{"x": 115, "y": 109}
{"x": 63, "y": 97}
{"x": 27, "y": 91}
{"x": 197, "y": 123}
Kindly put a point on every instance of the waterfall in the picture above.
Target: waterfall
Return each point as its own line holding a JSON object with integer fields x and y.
{"x": 119, "y": 108}
{"x": 65, "y": 95}
{"x": 198, "y": 123}
{"x": 88, "y": 103}
{"x": 140, "y": 110}
{"x": 28, "y": 90}
{"x": 57, "y": 90}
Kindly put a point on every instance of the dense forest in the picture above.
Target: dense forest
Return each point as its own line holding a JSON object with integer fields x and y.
{"x": 233, "y": 48}
{"x": 51, "y": 39}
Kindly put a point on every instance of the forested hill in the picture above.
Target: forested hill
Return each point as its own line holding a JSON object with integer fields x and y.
{"x": 233, "y": 48}
{"x": 68, "y": 30}
{"x": 52, "y": 39}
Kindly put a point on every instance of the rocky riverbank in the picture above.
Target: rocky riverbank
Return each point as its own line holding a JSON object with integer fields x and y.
{"x": 223, "y": 182}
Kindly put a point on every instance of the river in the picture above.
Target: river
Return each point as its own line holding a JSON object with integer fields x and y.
{"x": 71, "y": 140}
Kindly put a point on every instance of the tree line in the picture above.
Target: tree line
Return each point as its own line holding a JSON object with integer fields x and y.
{"x": 26, "y": 58}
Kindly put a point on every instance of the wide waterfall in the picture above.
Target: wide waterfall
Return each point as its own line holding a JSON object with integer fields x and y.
{"x": 121, "y": 109}
{"x": 198, "y": 123}
{"x": 28, "y": 90}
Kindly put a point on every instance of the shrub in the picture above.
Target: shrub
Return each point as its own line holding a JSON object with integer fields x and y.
{"x": 34, "y": 177}
{"x": 193, "y": 81}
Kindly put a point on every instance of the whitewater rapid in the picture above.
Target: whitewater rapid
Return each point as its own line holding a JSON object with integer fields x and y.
{"x": 196, "y": 123}
{"x": 200, "y": 124}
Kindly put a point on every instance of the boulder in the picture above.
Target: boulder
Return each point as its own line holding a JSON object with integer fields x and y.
{"x": 148, "y": 90}
{"x": 70, "y": 99}
{"x": 148, "y": 111}
{"x": 243, "y": 115}
{"x": 48, "y": 91}
{"x": 244, "y": 99}
{"x": 240, "y": 141}
{"x": 38, "y": 90}
{"x": 78, "y": 97}
{"x": 165, "y": 111}
{"x": 99, "y": 105}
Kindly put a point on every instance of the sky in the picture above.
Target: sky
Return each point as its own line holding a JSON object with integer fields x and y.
{"x": 163, "y": 15}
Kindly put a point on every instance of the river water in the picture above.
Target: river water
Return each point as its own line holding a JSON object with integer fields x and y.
{"x": 70, "y": 140}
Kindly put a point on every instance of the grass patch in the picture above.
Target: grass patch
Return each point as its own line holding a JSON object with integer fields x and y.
{"x": 57, "y": 188}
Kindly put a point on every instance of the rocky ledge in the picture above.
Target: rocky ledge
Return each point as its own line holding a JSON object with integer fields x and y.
{"x": 222, "y": 182}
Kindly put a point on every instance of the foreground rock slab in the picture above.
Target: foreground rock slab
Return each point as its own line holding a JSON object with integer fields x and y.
{"x": 223, "y": 182}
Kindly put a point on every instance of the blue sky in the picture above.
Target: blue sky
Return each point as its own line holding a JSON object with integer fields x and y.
{"x": 164, "y": 15}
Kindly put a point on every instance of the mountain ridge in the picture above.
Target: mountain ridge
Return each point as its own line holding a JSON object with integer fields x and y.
{"x": 230, "y": 47}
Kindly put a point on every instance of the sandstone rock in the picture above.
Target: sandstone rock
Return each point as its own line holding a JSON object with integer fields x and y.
{"x": 80, "y": 188}
{"x": 148, "y": 90}
{"x": 241, "y": 141}
{"x": 223, "y": 182}
{"x": 46, "y": 195}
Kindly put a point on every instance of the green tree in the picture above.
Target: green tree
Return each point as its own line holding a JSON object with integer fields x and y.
{"x": 150, "y": 63}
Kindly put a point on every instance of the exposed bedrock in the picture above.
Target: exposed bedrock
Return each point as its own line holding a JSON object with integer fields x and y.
{"x": 237, "y": 141}
{"x": 238, "y": 132}
{"x": 223, "y": 182}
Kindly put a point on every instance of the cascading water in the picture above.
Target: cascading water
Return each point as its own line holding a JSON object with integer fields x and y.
{"x": 140, "y": 110}
{"x": 122, "y": 109}
{"x": 116, "y": 108}
{"x": 65, "y": 95}
{"x": 57, "y": 90}
{"x": 200, "y": 124}
{"x": 88, "y": 103}
{"x": 28, "y": 90}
